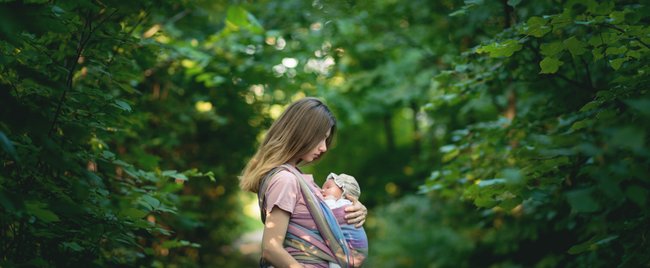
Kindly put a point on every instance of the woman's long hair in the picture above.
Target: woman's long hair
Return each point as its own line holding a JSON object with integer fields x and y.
{"x": 297, "y": 131}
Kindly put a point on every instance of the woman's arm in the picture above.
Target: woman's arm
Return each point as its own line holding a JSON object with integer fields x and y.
{"x": 275, "y": 229}
{"x": 355, "y": 213}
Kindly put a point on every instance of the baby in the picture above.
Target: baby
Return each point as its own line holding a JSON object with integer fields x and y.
{"x": 335, "y": 188}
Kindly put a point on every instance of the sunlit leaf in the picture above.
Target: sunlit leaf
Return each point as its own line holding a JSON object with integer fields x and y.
{"x": 550, "y": 65}
{"x": 501, "y": 49}
{"x": 239, "y": 18}
{"x": 536, "y": 26}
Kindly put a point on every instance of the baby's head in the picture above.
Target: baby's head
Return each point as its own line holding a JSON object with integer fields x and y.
{"x": 337, "y": 186}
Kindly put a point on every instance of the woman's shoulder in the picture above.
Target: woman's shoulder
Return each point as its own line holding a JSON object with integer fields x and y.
{"x": 283, "y": 177}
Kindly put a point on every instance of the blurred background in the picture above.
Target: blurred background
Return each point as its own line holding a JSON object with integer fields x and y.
{"x": 483, "y": 133}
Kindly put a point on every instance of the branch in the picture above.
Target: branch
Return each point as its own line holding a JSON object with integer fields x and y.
{"x": 86, "y": 34}
{"x": 40, "y": 50}
{"x": 538, "y": 56}
{"x": 506, "y": 14}
{"x": 623, "y": 31}
{"x": 179, "y": 16}
{"x": 589, "y": 82}
{"x": 574, "y": 82}
{"x": 73, "y": 65}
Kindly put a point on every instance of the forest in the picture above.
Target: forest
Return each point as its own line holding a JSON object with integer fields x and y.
{"x": 483, "y": 133}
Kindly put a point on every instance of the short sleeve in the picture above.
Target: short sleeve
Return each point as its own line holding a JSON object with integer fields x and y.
{"x": 283, "y": 191}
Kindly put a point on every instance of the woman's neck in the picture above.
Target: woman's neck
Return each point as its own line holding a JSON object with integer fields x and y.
{"x": 294, "y": 163}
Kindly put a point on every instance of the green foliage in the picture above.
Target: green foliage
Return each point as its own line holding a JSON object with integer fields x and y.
{"x": 102, "y": 104}
{"x": 522, "y": 124}
{"x": 422, "y": 227}
{"x": 574, "y": 136}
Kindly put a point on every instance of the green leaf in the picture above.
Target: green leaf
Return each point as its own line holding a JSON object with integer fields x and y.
{"x": 581, "y": 201}
{"x": 238, "y": 18}
{"x": 459, "y": 12}
{"x": 8, "y": 146}
{"x": 73, "y": 246}
{"x": 617, "y": 17}
{"x": 174, "y": 174}
{"x": 536, "y": 26}
{"x": 473, "y": 2}
{"x": 591, "y": 244}
{"x": 641, "y": 105}
{"x": 503, "y": 49}
{"x": 634, "y": 54}
{"x": 638, "y": 195}
{"x": 629, "y": 137}
{"x": 57, "y": 11}
{"x": 40, "y": 211}
{"x": 150, "y": 202}
{"x": 616, "y": 50}
{"x": 491, "y": 182}
{"x": 550, "y": 65}
{"x": 575, "y": 46}
{"x": 211, "y": 79}
{"x": 449, "y": 152}
{"x": 597, "y": 53}
{"x": 610, "y": 38}
{"x": 616, "y": 63}
{"x": 602, "y": 8}
{"x": 591, "y": 105}
{"x": 514, "y": 3}
{"x": 562, "y": 20}
{"x": 122, "y": 105}
{"x": 512, "y": 175}
{"x": 169, "y": 244}
{"x": 596, "y": 40}
{"x": 133, "y": 213}
{"x": 108, "y": 155}
{"x": 169, "y": 173}
{"x": 552, "y": 49}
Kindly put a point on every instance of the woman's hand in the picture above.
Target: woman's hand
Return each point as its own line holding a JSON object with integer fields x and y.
{"x": 355, "y": 213}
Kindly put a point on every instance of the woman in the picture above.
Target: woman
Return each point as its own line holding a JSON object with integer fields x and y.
{"x": 300, "y": 135}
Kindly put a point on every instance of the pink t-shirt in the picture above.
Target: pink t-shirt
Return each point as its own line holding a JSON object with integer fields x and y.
{"x": 284, "y": 192}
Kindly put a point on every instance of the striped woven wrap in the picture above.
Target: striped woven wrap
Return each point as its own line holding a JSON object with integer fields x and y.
{"x": 327, "y": 243}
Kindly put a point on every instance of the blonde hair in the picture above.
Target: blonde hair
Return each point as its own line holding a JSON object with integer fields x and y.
{"x": 297, "y": 131}
{"x": 347, "y": 183}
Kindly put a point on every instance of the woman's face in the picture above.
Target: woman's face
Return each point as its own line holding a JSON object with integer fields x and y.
{"x": 331, "y": 189}
{"x": 317, "y": 151}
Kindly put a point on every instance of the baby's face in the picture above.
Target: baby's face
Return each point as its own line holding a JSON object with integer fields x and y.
{"x": 330, "y": 189}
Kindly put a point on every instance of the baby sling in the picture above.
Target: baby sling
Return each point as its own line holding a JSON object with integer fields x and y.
{"x": 329, "y": 233}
